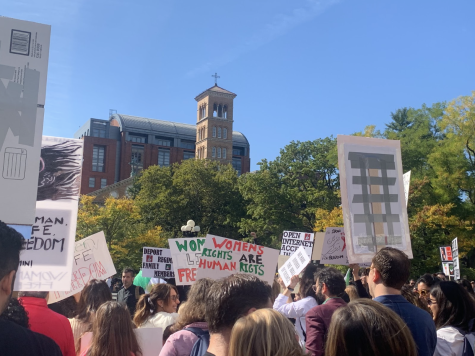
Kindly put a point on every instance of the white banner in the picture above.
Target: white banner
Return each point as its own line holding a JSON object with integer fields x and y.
{"x": 157, "y": 263}
{"x": 334, "y": 247}
{"x": 406, "y": 178}
{"x": 291, "y": 240}
{"x": 186, "y": 254}
{"x": 294, "y": 265}
{"x": 455, "y": 256}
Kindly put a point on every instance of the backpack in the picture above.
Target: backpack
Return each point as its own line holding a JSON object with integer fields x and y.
{"x": 201, "y": 345}
{"x": 467, "y": 348}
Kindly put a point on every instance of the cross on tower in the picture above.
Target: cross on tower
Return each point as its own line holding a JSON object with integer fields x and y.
{"x": 216, "y": 76}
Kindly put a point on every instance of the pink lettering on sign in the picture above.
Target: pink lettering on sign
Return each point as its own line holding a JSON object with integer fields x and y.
{"x": 232, "y": 245}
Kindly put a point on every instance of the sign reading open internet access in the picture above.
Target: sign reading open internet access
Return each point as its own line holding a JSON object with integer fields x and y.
{"x": 292, "y": 240}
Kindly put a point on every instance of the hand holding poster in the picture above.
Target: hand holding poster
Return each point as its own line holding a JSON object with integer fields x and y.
{"x": 294, "y": 265}
{"x": 157, "y": 263}
{"x": 291, "y": 241}
{"x": 222, "y": 257}
{"x": 334, "y": 247}
{"x": 186, "y": 254}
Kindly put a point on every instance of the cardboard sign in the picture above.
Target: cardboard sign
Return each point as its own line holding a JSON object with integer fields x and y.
{"x": 24, "y": 51}
{"x": 372, "y": 194}
{"x": 291, "y": 241}
{"x": 47, "y": 259}
{"x": 445, "y": 253}
{"x": 406, "y": 178}
{"x": 222, "y": 257}
{"x": 186, "y": 254}
{"x": 455, "y": 256}
{"x": 92, "y": 260}
{"x": 334, "y": 247}
{"x": 157, "y": 263}
{"x": 294, "y": 265}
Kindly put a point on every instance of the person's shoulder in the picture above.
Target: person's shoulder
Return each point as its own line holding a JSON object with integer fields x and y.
{"x": 48, "y": 345}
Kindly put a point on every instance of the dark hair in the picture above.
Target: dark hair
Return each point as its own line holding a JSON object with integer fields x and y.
{"x": 10, "y": 246}
{"x": 413, "y": 298}
{"x": 427, "y": 279}
{"x": 333, "y": 279}
{"x": 393, "y": 265}
{"x": 231, "y": 298}
{"x": 129, "y": 270}
{"x": 147, "y": 304}
{"x": 456, "y": 307}
{"x": 94, "y": 294}
{"x": 33, "y": 294}
{"x": 16, "y": 313}
{"x": 307, "y": 281}
{"x": 468, "y": 287}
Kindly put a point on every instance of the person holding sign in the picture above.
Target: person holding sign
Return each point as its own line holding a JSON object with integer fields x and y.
{"x": 298, "y": 309}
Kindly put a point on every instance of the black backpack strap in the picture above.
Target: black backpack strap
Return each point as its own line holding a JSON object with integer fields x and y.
{"x": 303, "y": 331}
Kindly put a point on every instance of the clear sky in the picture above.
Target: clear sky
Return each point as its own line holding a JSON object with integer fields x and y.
{"x": 302, "y": 69}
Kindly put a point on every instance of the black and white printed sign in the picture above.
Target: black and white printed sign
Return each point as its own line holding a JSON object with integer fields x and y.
{"x": 291, "y": 240}
{"x": 157, "y": 263}
{"x": 455, "y": 256}
{"x": 294, "y": 265}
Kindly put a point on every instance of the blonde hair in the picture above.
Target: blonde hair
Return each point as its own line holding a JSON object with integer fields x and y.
{"x": 352, "y": 292}
{"x": 264, "y": 332}
{"x": 365, "y": 327}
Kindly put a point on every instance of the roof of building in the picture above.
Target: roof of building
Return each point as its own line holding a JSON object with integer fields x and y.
{"x": 128, "y": 122}
{"x": 216, "y": 89}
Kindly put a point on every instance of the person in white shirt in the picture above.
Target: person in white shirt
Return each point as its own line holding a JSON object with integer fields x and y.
{"x": 453, "y": 310}
{"x": 298, "y": 309}
{"x": 157, "y": 309}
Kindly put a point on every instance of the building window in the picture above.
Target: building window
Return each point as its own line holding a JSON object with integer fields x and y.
{"x": 103, "y": 182}
{"x": 136, "y": 159}
{"x": 225, "y": 133}
{"x": 187, "y": 144}
{"x": 224, "y": 153}
{"x": 237, "y": 165}
{"x": 188, "y": 155}
{"x": 163, "y": 157}
{"x": 98, "y": 158}
{"x": 99, "y": 133}
{"x": 219, "y": 152}
{"x": 164, "y": 141}
{"x": 213, "y": 152}
{"x": 238, "y": 151}
{"x": 219, "y": 132}
{"x": 138, "y": 138}
{"x": 92, "y": 182}
{"x": 225, "y": 112}
{"x": 214, "y": 131}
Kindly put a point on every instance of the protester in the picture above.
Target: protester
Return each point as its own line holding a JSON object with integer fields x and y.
{"x": 191, "y": 322}
{"x": 424, "y": 284}
{"x": 47, "y": 322}
{"x": 113, "y": 332}
{"x": 66, "y": 307}
{"x": 352, "y": 292}
{"x": 365, "y": 327}
{"x": 15, "y": 339}
{"x": 276, "y": 288}
{"x": 472, "y": 283}
{"x": 412, "y": 297}
{"x": 329, "y": 285}
{"x": 229, "y": 299}
{"x": 389, "y": 271}
{"x": 159, "y": 308}
{"x": 298, "y": 309}
{"x": 360, "y": 281}
{"x": 263, "y": 333}
{"x": 130, "y": 293}
{"x": 454, "y": 317}
{"x": 15, "y": 312}
{"x": 94, "y": 294}
{"x": 468, "y": 287}
{"x": 441, "y": 276}
{"x": 412, "y": 283}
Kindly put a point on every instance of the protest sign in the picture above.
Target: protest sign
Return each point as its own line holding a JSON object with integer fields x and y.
{"x": 24, "y": 51}
{"x": 92, "y": 260}
{"x": 372, "y": 194}
{"x": 294, "y": 265}
{"x": 157, "y": 263}
{"x": 406, "y": 178}
{"x": 291, "y": 241}
{"x": 448, "y": 268}
{"x": 186, "y": 254}
{"x": 334, "y": 247}
{"x": 455, "y": 256}
{"x": 318, "y": 246}
{"x": 445, "y": 253}
{"x": 47, "y": 259}
{"x": 222, "y": 257}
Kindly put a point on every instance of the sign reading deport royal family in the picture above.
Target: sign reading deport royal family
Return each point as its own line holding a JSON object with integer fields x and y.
{"x": 292, "y": 240}
{"x": 157, "y": 263}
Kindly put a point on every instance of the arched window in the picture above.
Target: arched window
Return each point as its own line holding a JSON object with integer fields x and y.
{"x": 224, "y": 152}
{"x": 219, "y": 152}
{"x": 225, "y": 111}
{"x": 214, "y": 131}
{"x": 219, "y": 132}
{"x": 225, "y": 133}
{"x": 220, "y": 110}
{"x": 214, "y": 152}
{"x": 215, "y": 110}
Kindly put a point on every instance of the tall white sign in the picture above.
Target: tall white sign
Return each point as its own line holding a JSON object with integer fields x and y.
{"x": 455, "y": 256}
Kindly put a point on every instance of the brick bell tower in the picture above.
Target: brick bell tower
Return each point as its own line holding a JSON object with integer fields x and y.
{"x": 214, "y": 126}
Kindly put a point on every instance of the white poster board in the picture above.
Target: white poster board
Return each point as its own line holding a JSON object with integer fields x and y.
{"x": 291, "y": 240}
{"x": 406, "y": 177}
{"x": 222, "y": 257}
{"x": 334, "y": 247}
{"x": 47, "y": 260}
{"x": 294, "y": 265}
{"x": 24, "y": 51}
{"x": 186, "y": 254}
{"x": 455, "y": 256}
{"x": 372, "y": 194}
{"x": 157, "y": 263}
{"x": 92, "y": 260}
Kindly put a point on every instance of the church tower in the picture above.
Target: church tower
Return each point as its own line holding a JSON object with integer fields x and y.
{"x": 214, "y": 127}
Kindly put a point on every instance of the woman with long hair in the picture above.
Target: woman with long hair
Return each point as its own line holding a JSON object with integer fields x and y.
{"x": 262, "y": 333}
{"x": 423, "y": 286}
{"x": 94, "y": 294}
{"x": 453, "y": 311}
{"x": 181, "y": 342}
{"x": 113, "y": 332}
{"x": 157, "y": 309}
{"x": 297, "y": 310}
{"x": 367, "y": 328}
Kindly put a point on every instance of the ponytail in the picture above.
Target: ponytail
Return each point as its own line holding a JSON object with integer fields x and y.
{"x": 144, "y": 310}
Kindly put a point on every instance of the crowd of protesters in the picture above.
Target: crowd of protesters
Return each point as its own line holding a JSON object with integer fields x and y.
{"x": 378, "y": 313}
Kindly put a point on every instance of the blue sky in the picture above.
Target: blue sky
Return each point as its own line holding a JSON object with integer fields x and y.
{"x": 302, "y": 69}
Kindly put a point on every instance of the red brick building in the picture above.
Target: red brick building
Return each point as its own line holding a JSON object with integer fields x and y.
{"x": 112, "y": 148}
